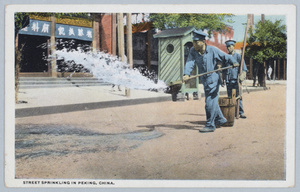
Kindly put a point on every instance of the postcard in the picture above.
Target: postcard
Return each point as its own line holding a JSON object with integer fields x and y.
{"x": 151, "y": 96}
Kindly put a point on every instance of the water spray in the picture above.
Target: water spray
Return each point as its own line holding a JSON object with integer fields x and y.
{"x": 108, "y": 68}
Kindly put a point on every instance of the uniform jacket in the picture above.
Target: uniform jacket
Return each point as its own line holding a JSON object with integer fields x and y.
{"x": 232, "y": 74}
{"x": 207, "y": 62}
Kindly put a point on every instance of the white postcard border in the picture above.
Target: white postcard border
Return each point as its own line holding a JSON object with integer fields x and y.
{"x": 288, "y": 10}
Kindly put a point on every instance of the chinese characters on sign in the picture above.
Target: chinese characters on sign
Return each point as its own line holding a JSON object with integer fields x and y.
{"x": 137, "y": 18}
{"x": 74, "y": 32}
{"x": 35, "y": 27}
{"x": 42, "y": 28}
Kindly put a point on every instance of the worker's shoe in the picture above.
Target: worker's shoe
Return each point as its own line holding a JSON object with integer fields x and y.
{"x": 206, "y": 130}
{"x": 219, "y": 124}
{"x": 243, "y": 116}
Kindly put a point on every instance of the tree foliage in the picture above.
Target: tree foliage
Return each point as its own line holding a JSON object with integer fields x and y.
{"x": 266, "y": 41}
{"x": 21, "y": 21}
{"x": 211, "y": 22}
{"x": 59, "y": 15}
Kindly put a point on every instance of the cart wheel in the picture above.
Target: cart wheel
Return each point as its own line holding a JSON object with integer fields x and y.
{"x": 195, "y": 96}
{"x": 187, "y": 96}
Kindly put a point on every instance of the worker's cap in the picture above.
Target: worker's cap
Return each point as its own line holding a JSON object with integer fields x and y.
{"x": 199, "y": 35}
{"x": 230, "y": 42}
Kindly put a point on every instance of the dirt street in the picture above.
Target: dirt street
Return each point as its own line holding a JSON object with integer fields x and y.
{"x": 156, "y": 141}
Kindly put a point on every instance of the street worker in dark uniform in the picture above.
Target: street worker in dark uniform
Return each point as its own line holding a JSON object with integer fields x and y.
{"x": 206, "y": 58}
{"x": 233, "y": 76}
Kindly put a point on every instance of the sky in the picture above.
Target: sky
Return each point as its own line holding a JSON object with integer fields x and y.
{"x": 240, "y": 22}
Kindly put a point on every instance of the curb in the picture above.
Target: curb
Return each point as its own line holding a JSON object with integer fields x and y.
{"x": 27, "y": 112}
{"x": 35, "y": 111}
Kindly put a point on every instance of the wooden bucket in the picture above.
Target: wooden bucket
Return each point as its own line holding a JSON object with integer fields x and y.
{"x": 227, "y": 106}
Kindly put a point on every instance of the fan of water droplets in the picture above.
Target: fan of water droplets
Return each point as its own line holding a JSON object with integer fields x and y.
{"x": 109, "y": 68}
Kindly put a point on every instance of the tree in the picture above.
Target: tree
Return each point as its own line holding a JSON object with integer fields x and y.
{"x": 267, "y": 41}
{"x": 211, "y": 22}
{"x": 21, "y": 21}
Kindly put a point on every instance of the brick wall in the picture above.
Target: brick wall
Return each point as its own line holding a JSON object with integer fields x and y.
{"x": 218, "y": 39}
{"x": 105, "y": 33}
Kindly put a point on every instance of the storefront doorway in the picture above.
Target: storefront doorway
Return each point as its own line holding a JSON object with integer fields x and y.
{"x": 34, "y": 53}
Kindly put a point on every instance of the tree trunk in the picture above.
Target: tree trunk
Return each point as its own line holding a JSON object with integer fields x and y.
{"x": 274, "y": 71}
{"x": 17, "y": 66}
{"x": 149, "y": 49}
{"x": 278, "y": 76}
{"x": 251, "y": 68}
{"x": 284, "y": 69}
{"x": 53, "y": 48}
{"x": 264, "y": 75}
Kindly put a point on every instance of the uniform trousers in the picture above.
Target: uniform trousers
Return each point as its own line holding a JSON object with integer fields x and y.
{"x": 233, "y": 84}
{"x": 213, "y": 112}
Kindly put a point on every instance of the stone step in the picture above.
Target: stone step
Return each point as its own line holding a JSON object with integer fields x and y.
{"x": 40, "y": 82}
{"x": 60, "y": 82}
{"x": 56, "y": 79}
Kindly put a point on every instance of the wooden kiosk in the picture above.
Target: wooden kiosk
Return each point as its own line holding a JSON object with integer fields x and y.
{"x": 173, "y": 49}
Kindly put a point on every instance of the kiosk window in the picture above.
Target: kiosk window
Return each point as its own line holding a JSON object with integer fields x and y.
{"x": 170, "y": 48}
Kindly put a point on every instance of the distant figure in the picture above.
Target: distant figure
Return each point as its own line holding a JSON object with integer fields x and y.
{"x": 113, "y": 86}
{"x": 269, "y": 72}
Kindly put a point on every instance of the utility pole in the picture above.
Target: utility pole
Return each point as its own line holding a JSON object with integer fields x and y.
{"x": 96, "y": 32}
{"x": 251, "y": 17}
{"x": 264, "y": 69}
{"x": 129, "y": 46}
{"x": 129, "y": 41}
{"x": 121, "y": 37}
{"x": 121, "y": 50}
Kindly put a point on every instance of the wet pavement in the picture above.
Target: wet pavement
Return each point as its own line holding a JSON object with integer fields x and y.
{"x": 32, "y": 141}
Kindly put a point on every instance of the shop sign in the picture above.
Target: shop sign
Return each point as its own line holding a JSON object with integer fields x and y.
{"x": 43, "y": 28}
{"x": 73, "y": 32}
{"x": 35, "y": 27}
